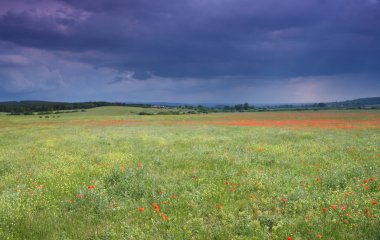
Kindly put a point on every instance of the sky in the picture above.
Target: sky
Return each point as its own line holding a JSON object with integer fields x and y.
{"x": 189, "y": 51}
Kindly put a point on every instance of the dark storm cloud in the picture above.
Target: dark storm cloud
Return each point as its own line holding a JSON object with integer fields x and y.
{"x": 194, "y": 44}
{"x": 209, "y": 38}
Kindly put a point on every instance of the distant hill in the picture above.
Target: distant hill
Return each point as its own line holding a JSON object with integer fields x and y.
{"x": 32, "y": 106}
{"x": 371, "y": 102}
{"x": 360, "y": 102}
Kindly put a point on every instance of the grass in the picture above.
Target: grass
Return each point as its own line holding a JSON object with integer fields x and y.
{"x": 73, "y": 180}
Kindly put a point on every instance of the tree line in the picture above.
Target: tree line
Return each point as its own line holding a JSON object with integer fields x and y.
{"x": 29, "y": 107}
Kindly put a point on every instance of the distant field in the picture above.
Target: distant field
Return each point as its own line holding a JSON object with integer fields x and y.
{"x": 109, "y": 173}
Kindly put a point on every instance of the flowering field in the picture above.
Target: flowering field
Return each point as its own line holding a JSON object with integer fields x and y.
{"x": 110, "y": 174}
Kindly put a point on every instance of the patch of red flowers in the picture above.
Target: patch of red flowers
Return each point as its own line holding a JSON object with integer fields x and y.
{"x": 333, "y": 206}
{"x": 90, "y": 187}
{"x": 284, "y": 200}
{"x": 371, "y": 179}
{"x": 69, "y": 201}
{"x": 227, "y": 183}
{"x": 365, "y": 181}
{"x": 374, "y": 202}
{"x": 219, "y": 206}
{"x": 343, "y": 207}
{"x": 324, "y": 210}
{"x": 155, "y": 206}
{"x": 141, "y": 209}
{"x": 289, "y": 238}
{"x": 164, "y": 217}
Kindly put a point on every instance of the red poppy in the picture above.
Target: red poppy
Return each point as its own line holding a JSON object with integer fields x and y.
{"x": 333, "y": 206}
{"x": 371, "y": 179}
{"x": 284, "y": 200}
{"x": 343, "y": 207}
{"x": 165, "y": 202}
{"x": 324, "y": 209}
{"x": 365, "y": 181}
{"x": 90, "y": 187}
{"x": 219, "y": 206}
{"x": 141, "y": 209}
{"x": 232, "y": 190}
{"x": 374, "y": 202}
{"x": 164, "y": 217}
{"x": 69, "y": 201}
{"x": 227, "y": 183}
{"x": 289, "y": 238}
{"x": 174, "y": 196}
{"x": 156, "y": 209}
{"x": 367, "y": 187}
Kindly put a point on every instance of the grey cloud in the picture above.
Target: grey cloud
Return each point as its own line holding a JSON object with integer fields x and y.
{"x": 210, "y": 38}
{"x": 234, "y": 41}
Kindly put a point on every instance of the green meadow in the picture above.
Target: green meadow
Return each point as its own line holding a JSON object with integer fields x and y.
{"x": 109, "y": 173}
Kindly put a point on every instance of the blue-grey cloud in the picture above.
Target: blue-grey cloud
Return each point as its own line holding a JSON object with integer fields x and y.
{"x": 238, "y": 42}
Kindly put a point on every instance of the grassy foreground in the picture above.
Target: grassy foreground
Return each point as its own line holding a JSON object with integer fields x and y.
{"x": 68, "y": 178}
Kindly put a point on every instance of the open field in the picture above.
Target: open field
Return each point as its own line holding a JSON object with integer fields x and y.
{"x": 111, "y": 174}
